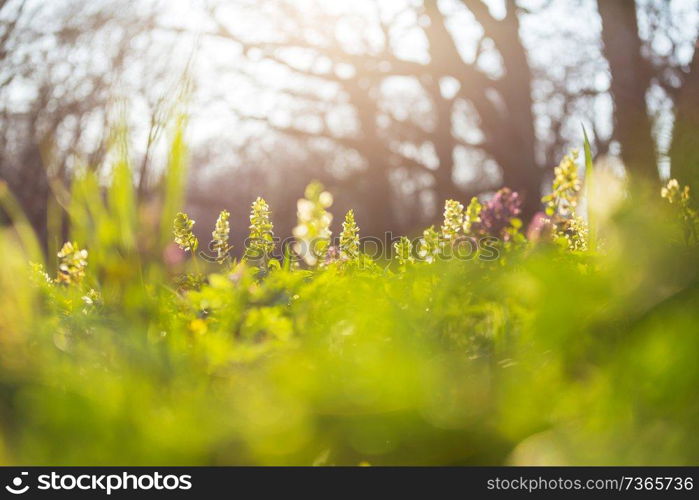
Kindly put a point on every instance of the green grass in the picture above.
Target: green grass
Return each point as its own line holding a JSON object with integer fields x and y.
{"x": 545, "y": 355}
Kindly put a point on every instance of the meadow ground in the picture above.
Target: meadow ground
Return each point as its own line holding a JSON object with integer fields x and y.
{"x": 576, "y": 345}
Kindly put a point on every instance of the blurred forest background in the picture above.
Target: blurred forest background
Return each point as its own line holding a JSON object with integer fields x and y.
{"x": 394, "y": 105}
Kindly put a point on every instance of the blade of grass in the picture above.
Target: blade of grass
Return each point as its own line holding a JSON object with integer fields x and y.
{"x": 286, "y": 263}
{"x": 121, "y": 194}
{"x": 174, "y": 182}
{"x": 588, "y": 190}
{"x": 54, "y": 230}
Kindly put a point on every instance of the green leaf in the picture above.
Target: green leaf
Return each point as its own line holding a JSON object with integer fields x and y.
{"x": 174, "y": 181}
{"x": 121, "y": 193}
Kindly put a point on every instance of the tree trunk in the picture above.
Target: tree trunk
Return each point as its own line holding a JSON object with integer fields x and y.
{"x": 521, "y": 172}
{"x": 684, "y": 152}
{"x": 375, "y": 210}
{"x": 444, "y": 144}
{"x": 32, "y": 190}
{"x": 630, "y": 82}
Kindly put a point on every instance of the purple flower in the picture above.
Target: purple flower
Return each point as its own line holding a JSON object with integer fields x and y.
{"x": 540, "y": 227}
{"x": 497, "y": 213}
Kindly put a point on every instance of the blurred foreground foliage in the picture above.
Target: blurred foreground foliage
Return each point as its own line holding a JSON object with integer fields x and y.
{"x": 558, "y": 352}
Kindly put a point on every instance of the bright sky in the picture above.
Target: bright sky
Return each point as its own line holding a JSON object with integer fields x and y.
{"x": 226, "y": 81}
{"x": 544, "y": 34}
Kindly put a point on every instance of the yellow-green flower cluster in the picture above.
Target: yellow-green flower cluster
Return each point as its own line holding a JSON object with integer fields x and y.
{"x": 220, "y": 235}
{"x": 184, "y": 237}
{"x": 566, "y": 188}
{"x": 680, "y": 197}
{"x": 453, "y": 220}
{"x": 72, "y": 262}
{"x": 569, "y": 230}
{"x": 404, "y": 251}
{"x": 261, "y": 241}
{"x": 92, "y": 298}
{"x": 312, "y": 231}
{"x": 674, "y": 194}
{"x": 39, "y": 276}
{"x": 472, "y": 215}
{"x": 428, "y": 247}
{"x": 349, "y": 238}
{"x": 574, "y": 233}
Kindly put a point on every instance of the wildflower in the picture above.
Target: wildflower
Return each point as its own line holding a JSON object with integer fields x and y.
{"x": 220, "y": 236}
{"x": 312, "y": 231}
{"x": 453, "y": 220}
{"x": 540, "y": 228}
{"x": 333, "y": 255}
{"x": 404, "y": 251}
{"x": 673, "y": 194}
{"x": 189, "y": 281}
{"x": 39, "y": 276}
{"x": 574, "y": 233}
{"x": 72, "y": 262}
{"x": 349, "y": 238}
{"x": 261, "y": 240}
{"x": 498, "y": 215}
{"x": 92, "y": 300}
{"x": 184, "y": 237}
{"x": 472, "y": 215}
{"x": 561, "y": 221}
{"x": 428, "y": 247}
{"x": 566, "y": 187}
{"x": 680, "y": 197}
{"x": 92, "y": 297}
